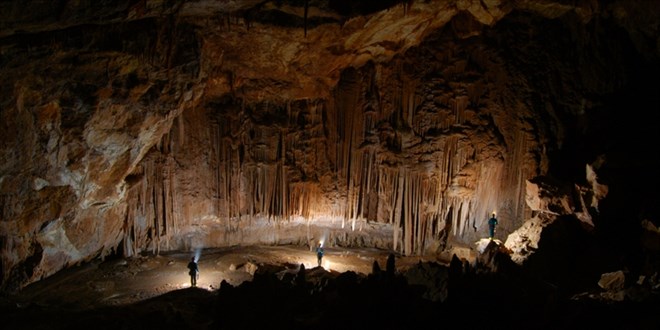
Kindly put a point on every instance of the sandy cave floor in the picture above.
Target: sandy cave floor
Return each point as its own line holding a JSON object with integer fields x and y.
{"x": 153, "y": 292}
{"x": 121, "y": 282}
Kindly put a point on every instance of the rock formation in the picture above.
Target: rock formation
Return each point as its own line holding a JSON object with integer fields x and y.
{"x": 146, "y": 126}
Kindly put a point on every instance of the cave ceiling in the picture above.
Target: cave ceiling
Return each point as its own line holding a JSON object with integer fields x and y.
{"x": 133, "y": 126}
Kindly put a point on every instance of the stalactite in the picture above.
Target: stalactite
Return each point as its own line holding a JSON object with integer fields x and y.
{"x": 447, "y": 161}
{"x": 347, "y": 138}
{"x": 149, "y": 211}
{"x": 427, "y": 211}
{"x": 297, "y": 194}
{"x": 397, "y": 210}
{"x": 368, "y": 167}
{"x": 413, "y": 210}
{"x": 253, "y": 193}
{"x": 129, "y": 244}
{"x": 214, "y": 160}
{"x": 226, "y": 187}
{"x": 405, "y": 216}
{"x": 181, "y": 129}
{"x": 272, "y": 192}
{"x": 165, "y": 220}
{"x": 452, "y": 205}
{"x": 175, "y": 211}
{"x": 420, "y": 221}
{"x": 283, "y": 178}
{"x": 517, "y": 174}
{"x": 170, "y": 195}
{"x": 352, "y": 187}
{"x": 156, "y": 205}
{"x": 409, "y": 101}
{"x": 239, "y": 187}
{"x": 409, "y": 225}
{"x": 460, "y": 103}
{"x": 267, "y": 188}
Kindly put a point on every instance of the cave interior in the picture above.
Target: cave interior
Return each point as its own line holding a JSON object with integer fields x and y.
{"x": 136, "y": 129}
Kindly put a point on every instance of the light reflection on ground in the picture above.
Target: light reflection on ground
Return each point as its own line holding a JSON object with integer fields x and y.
{"x": 118, "y": 282}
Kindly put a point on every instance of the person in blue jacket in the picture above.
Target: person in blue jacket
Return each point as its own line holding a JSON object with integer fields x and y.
{"x": 492, "y": 223}
{"x": 319, "y": 253}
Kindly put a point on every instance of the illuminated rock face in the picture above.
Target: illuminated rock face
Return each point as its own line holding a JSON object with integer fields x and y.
{"x": 216, "y": 124}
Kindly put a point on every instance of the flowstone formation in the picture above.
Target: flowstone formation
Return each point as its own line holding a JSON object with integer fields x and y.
{"x": 152, "y": 126}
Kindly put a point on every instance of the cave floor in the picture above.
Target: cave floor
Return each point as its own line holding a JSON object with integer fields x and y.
{"x": 126, "y": 281}
{"x": 153, "y": 291}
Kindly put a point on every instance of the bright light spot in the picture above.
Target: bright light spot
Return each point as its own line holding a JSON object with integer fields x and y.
{"x": 198, "y": 254}
{"x": 322, "y": 239}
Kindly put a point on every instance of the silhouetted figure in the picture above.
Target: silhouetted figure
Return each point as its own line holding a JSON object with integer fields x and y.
{"x": 193, "y": 271}
{"x": 492, "y": 223}
{"x": 300, "y": 277}
{"x": 319, "y": 253}
{"x": 375, "y": 268}
{"x": 389, "y": 266}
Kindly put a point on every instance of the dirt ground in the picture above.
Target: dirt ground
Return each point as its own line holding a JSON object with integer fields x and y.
{"x": 126, "y": 281}
{"x": 154, "y": 292}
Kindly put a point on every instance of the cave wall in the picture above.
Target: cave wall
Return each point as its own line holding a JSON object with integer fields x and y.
{"x": 425, "y": 152}
{"x": 80, "y": 108}
{"x": 185, "y": 125}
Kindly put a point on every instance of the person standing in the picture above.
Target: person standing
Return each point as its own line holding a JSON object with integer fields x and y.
{"x": 319, "y": 253}
{"x": 193, "y": 272}
{"x": 492, "y": 223}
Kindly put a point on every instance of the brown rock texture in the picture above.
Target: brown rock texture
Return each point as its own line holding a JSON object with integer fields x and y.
{"x": 148, "y": 126}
